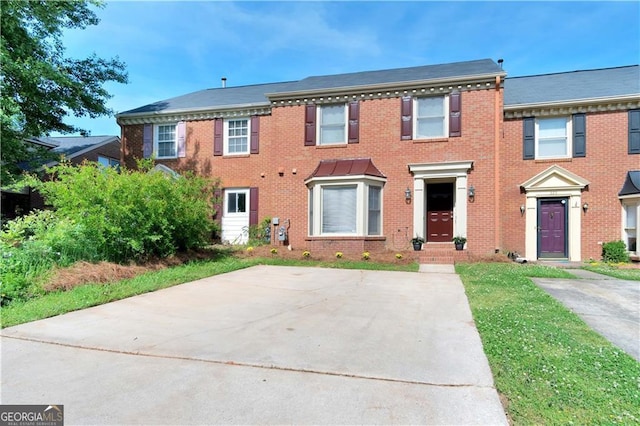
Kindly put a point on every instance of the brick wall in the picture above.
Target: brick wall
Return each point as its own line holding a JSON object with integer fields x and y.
{"x": 605, "y": 167}
{"x": 282, "y": 148}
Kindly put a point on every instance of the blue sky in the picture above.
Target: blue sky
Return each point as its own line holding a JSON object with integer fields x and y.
{"x": 172, "y": 48}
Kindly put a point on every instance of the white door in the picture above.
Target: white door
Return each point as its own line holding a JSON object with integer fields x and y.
{"x": 235, "y": 217}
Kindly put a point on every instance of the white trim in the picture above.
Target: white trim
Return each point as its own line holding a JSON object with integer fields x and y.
{"x": 630, "y": 202}
{"x": 345, "y": 129}
{"x": 156, "y": 135}
{"x": 362, "y": 207}
{"x": 225, "y": 134}
{"x": 554, "y": 182}
{"x": 445, "y": 116}
{"x": 456, "y": 171}
{"x": 568, "y": 129}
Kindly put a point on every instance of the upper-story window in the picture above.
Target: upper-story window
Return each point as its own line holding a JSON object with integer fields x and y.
{"x": 431, "y": 117}
{"x": 165, "y": 140}
{"x": 236, "y": 136}
{"x": 554, "y": 137}
{"x": 332, "y": 124}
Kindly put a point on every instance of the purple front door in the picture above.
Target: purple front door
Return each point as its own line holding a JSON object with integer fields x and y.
{"x": 552, "y": 228}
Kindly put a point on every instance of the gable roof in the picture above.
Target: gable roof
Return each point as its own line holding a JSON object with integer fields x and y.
{"x": 260, "y": 95}
{"x": 605, "y": 83}
{"x": 72, "y": 146}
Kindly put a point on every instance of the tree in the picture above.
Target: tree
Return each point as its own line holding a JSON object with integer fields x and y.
{"x": 39, "y": 86}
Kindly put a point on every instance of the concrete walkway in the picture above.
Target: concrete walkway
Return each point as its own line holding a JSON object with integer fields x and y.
{"x": 265, "y": 345}
{"x": 608, "y": 305}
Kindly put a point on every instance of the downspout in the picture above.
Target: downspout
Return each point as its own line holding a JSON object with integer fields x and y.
{"x": 496, "y": 167}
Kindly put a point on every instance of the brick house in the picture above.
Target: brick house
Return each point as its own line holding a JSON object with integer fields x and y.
{"x": 579, "y": 134}
{"x": 368, "y": 160}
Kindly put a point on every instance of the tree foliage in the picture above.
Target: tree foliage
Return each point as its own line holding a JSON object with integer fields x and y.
{"x": 40, "y": 86}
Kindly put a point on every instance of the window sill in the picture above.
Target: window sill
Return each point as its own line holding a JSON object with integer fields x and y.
{"x": 553, "y": 160}
{"x": 341, "y": 145}
{"x": 236, "y": 155}
{"x": 347, "y": 238}
{"x": 433, "y": 140}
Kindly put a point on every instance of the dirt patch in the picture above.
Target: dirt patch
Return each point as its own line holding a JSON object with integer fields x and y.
{"x": 81, "y": 273}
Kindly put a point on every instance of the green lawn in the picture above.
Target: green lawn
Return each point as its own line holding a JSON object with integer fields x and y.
{"x": 551, "y": 367}
{"x": 621, "y": 273}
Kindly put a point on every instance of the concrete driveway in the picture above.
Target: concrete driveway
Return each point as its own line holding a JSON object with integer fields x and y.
{"x": 263, "y": 345}
{"x": 608, "y": 305}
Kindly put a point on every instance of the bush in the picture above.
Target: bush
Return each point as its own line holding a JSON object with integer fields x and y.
{"x": 100, "y": 214}
{"x": 133, "y": 215}
{"x": 615, "y": 252}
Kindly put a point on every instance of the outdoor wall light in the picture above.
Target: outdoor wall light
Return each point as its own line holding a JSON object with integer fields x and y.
{"x": 472, "y": 193}
{"x": 407, "y": 195}
{"x": 522, "y": 209}
{"x": 585, "y": 207}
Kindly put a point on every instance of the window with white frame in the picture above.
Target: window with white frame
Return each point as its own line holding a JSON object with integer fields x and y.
{"x": 553, "y": 137}
{"x": 236, "y": 201}
{"x": 165, "y": 145}
{"x": 332, "y": 124}
{"x": 630, "y": 218}
{"x": 345, "y": 207}
{"x": 430, "y": 118}
{"x": 236, "y": 136}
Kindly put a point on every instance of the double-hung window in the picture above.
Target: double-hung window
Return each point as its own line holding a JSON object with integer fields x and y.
{"x": 332, "y": 124}
{"x": 236, "y": 136}
{"x": 345, "y": 208}
{"x": 552, "y": 137}
{"x": 630, "y": 224}
{"x": 165, "y": 141}
{"x": 430, "y": 119}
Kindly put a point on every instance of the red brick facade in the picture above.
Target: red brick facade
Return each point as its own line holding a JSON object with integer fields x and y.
{"x": 491, "y": 144}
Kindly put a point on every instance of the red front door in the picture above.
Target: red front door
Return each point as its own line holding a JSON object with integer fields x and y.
{"x": 439, "y": 212}
{"x": 552, "y": 228}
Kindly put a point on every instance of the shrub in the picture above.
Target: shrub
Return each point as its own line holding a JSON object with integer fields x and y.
{"x": 133, "y": 215}
{"x": 615, "y": 252}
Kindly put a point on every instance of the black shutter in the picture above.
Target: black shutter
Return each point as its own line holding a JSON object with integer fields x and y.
{"x": 310, "y": 125}
{"x": 634, "y": 131}
{"x": 147, "y": 141}
{"x": 255, "y": 134}
{"x": 455, "y": 119}
{"x": 579, "y": 135}
{"x": 406, "y": 123}
{"x": 253, "y": 206}
{"x": 529, "y": 138}
{"x": 218, "y": 130}
{"x": 354, "y": 122}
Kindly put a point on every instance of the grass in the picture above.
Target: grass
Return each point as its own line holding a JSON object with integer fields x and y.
{"x": 547, "y": 363}
{"x": 613, "y": 271}
{"x": 85, "y": 296}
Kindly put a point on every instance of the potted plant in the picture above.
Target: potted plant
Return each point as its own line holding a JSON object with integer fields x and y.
{"x": 459, "y": 242}
{"x": 417, "y": 243}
